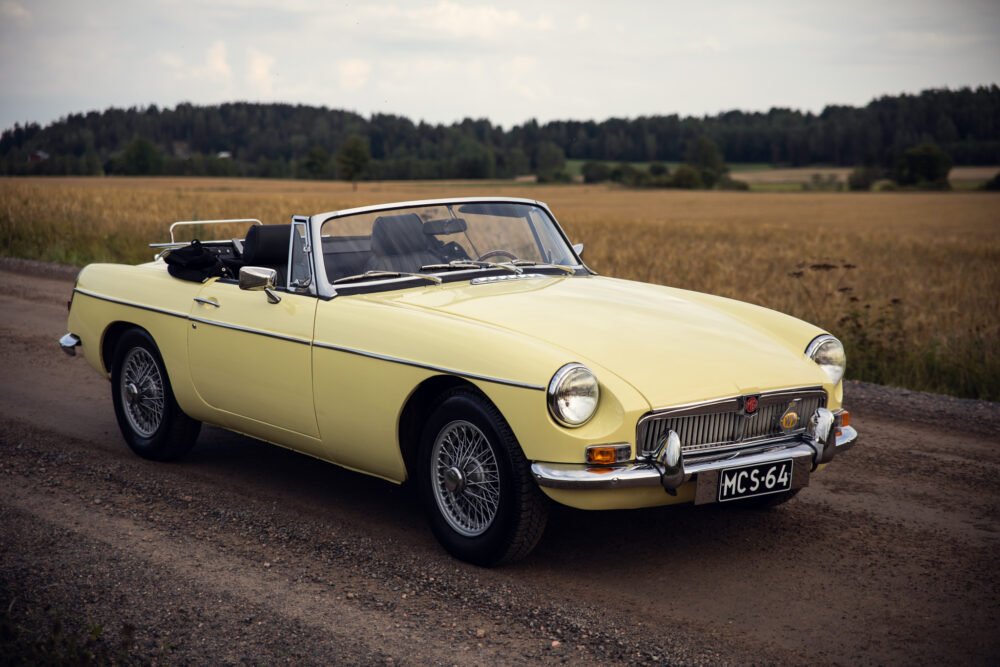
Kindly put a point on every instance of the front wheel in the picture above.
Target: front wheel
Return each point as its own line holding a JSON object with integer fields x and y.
{"x": 481, "y": 501}
{"x": 150, "y": 420}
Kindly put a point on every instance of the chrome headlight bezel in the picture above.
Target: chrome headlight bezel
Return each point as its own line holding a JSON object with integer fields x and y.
{"x": 828, "y": 353}
{"x": 559, "y": 386}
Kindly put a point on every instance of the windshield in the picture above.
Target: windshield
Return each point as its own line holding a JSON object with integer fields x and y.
{"x": 441, "y": 237}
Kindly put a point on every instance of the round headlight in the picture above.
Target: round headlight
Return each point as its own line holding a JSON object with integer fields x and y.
{"x": 828, "y": 352}
{"x": 573, "y": 395}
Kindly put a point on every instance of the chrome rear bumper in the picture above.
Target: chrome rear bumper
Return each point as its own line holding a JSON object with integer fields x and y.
{"x": 69, "y": 343}
{"x": 805, "y": 455}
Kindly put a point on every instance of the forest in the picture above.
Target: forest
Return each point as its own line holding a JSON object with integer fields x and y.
{"x": 296, "y": 141}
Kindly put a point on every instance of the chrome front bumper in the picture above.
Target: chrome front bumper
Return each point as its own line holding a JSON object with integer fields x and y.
{"x": 806, "y": 455}
{"x": 69, "y": 343}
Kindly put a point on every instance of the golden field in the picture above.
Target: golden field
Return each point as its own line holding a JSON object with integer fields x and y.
{"x": 909, "y": 281}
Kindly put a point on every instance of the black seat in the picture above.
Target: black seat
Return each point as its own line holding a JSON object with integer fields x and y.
{"x": 267, "y": 246}
{"x": 399, "y": 244}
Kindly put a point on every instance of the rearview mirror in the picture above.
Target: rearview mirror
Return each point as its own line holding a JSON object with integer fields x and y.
{"x": 578, "y": 249}
{"x": 257, "y": 279}
{"x": 445, "y": 226}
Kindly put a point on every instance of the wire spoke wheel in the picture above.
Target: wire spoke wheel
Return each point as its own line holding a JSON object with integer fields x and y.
{"x": 465, "y": 478}
{"x": 142, "y": 392}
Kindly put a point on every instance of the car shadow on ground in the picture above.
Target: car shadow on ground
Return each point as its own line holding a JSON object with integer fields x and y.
{"x": 271, "y": 476}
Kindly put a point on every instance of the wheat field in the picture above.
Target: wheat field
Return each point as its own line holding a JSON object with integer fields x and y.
{"x": 909, "y": 281}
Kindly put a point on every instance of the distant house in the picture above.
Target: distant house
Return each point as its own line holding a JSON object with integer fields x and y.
{"x": 38, "y": 156}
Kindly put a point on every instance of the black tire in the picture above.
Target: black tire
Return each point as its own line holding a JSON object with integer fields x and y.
{"x": 458, "y": 504}
{"x": 768, "y": 501}
{"x": 150, "y": 420}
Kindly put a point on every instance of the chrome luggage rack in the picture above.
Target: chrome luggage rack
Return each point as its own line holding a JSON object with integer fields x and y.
{"x": 176, "y": 244}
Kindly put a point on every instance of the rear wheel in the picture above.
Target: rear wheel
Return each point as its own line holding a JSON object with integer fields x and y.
{"x": 150, "y": 420}
{"x": 481, "y": 501}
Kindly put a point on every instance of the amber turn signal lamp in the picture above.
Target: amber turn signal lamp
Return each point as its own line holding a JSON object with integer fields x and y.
{"x": 601, "y": 455}
{"x": 845, "y": 418}
{"x": 604, "y": 455}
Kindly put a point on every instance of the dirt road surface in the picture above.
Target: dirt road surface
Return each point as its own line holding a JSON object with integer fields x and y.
{"x": 248, "y": 553}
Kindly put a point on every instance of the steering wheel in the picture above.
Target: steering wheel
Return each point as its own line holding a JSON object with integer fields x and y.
{"x": 496, "y": 253}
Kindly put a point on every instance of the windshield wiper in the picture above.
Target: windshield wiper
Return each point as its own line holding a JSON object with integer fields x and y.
{"x": 386, "y": 274}
{"x": 459, "y": 264}
{"x": 544, "y": 265}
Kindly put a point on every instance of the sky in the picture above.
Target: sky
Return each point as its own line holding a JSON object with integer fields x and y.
{"x": 444, "y": 60}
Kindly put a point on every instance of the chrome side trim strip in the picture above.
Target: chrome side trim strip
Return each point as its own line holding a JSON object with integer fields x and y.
{"x": 123, "y": 302}
{"x": 256, "y": 332}
{"x": 132, "y": 304}
{"x": 327, "y": 346}
{"x": 429, "y": 367}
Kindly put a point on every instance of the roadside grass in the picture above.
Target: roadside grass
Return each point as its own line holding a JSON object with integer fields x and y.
{"x": 48, "y": 639}
{"x": 909, "y": 281}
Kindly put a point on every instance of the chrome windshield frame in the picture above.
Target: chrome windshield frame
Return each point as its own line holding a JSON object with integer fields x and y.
{"x": 325, "y": 289}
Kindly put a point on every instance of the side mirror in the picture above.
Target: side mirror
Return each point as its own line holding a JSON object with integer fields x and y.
{"x": 259, "y": 279}
{"x": 578, "y": 249}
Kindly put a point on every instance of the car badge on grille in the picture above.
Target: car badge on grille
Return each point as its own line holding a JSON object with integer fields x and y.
{"x": 750, "y": 405}
{"x": 790, "y": 419}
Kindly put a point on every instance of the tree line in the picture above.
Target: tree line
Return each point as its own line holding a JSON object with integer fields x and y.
{"x": 297, "y": 141}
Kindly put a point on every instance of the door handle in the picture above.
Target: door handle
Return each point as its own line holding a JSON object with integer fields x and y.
{"x": 207, "y": 302}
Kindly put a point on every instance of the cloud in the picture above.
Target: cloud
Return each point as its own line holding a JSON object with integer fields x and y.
{"x": 215, "y": 67}
{"x": 583, "y": 22}
{"x": 520, "y": 76}
{"x": 14, "y": 11}
{"x": 924, "y": 40}
{"x": 259, "y": 75}
{"x": 460, "y": 21}
{"x": 703, "y": 45}
{"x": 353, "y": 73}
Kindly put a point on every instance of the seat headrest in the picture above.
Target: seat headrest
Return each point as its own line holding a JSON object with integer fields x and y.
{"x": 266, "y": 244}
{"x": 394, "y": 235}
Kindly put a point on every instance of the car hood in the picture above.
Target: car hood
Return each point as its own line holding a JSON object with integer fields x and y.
{"x": 673, "y": 346}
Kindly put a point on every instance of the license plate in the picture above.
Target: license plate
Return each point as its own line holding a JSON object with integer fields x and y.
{"x": 755, "y": 480}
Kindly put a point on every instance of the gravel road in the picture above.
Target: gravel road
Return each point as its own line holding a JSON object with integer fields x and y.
{"x": 248, "y": 553}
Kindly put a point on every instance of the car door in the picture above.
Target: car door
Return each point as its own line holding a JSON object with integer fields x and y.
{"x": 251, "y": 359}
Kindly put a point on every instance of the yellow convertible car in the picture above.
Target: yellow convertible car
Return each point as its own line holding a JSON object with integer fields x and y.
{"x": 463, "y": 343}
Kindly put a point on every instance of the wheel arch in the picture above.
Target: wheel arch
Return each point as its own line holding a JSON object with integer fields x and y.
{"x": 418, "y": 408}
{"x": 109, "y": 340}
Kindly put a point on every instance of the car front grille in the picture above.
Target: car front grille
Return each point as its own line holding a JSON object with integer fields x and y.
{"x": 707, "y": 428}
